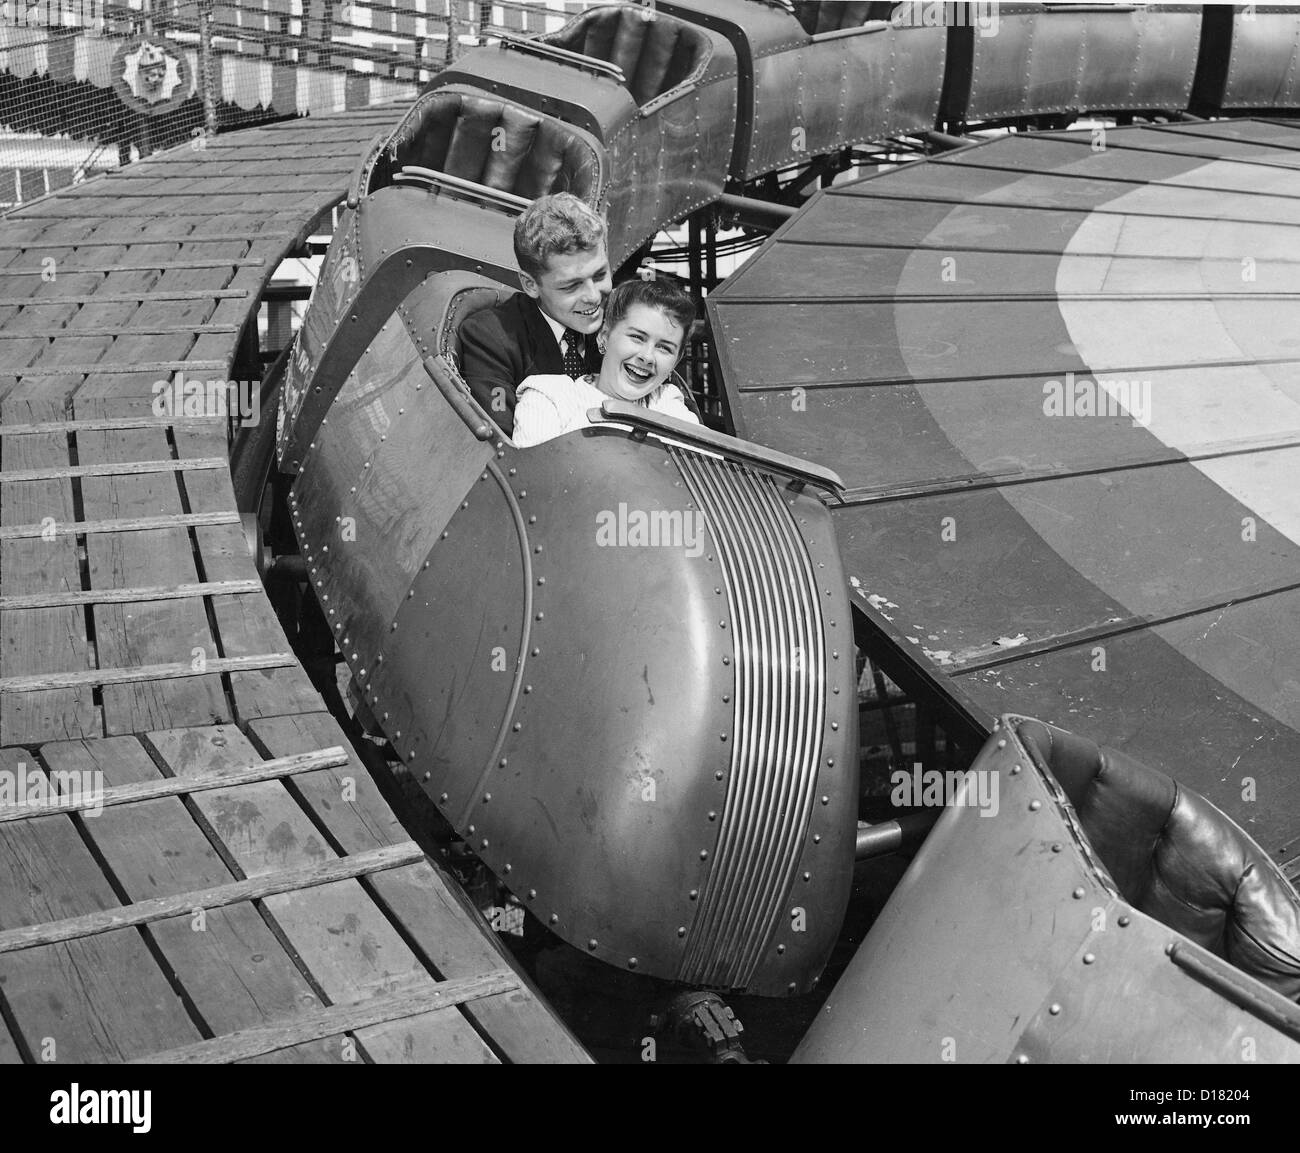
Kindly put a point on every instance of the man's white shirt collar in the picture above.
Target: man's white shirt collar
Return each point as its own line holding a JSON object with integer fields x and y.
{"x": 557, "y": 329}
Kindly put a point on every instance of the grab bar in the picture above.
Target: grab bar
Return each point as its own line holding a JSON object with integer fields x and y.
{"x": 563, "y": 55}
{"x": 414, "y": 174}
{"x": 621, "y": 412}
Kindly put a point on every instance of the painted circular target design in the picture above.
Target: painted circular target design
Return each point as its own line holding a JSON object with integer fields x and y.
{"x": 151, "y": 75}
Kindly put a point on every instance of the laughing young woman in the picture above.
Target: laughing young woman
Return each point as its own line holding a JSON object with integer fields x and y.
{"x": 642, "y": 339}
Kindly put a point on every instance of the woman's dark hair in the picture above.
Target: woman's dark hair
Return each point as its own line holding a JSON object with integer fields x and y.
{"x": 661, "y": 294}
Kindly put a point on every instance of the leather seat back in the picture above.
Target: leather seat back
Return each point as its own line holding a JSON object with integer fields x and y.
{"x": 495, "y": 143}
{"x": 1176, "y": 857}
{"x": 655, "y": 54}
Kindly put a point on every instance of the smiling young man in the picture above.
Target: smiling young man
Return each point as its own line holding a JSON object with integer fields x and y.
{"x": 551, "y": 326}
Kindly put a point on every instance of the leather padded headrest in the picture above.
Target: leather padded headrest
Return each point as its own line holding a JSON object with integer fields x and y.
{"x": 1176, "y": 857}
{"x": 496, "y": 143}
{"x": 655, "y": 54}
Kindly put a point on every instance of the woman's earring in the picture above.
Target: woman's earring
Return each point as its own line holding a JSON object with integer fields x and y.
{"x": 600, "y": 346}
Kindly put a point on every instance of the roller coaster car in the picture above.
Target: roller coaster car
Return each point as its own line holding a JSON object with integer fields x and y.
{"x": 620, "y": 662}
{"x": 658, "y": 93}
{"x": 1107, "y": 914}
{"x": 439, "y": 192}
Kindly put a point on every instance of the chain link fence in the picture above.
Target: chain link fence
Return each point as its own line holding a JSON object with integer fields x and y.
{"x": 91, "y": 85}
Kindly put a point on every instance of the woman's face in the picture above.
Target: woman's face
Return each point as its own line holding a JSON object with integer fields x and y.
{"x": 640, "y": 351}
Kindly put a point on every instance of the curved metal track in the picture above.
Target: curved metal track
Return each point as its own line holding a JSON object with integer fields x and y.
{"x": 269, "y": 905}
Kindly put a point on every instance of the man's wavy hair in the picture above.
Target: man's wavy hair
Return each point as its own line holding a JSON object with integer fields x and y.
{"x": 555, "y": 226}
{"x": 661, "y": 294}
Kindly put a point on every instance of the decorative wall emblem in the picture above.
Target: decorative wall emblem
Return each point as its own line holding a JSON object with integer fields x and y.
{"x": 151, "y": 75}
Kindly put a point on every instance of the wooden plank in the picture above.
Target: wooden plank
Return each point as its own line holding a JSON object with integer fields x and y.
{"x": 101, "y": 999}
{"x": 64, "y": 426}
{"x": 183, "y": 296}
{"x": 113, "y": 332}
{"x": 245, "y": 624}
{"x": 434, "y": 912}
{"x": 234, "y": 970}
{"x": 275, "y": 769}
{"x": 116, "y": 596}
{"x": 340, "y": 1018}
{"x": 10, "y": 237}
{"x": 87, "y": 303}
{"x": 49, "y": 640}
{"x": 130, "y": 524}
{"x": 268, "y": 184}
{"x": 160, "y": 635}
{"x": 110, "y": 468}
{"x": 158, "y": 265}
{"x": 132, "y": 674}
{"x": 352, "y": 951}
{"x": 143, "y": 295}
{"x": 218, "y": 896}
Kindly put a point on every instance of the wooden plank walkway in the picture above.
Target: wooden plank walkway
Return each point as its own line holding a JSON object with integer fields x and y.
{"x": 194, "y": 865}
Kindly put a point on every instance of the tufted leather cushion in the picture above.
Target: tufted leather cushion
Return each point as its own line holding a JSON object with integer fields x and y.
{"x": 462, "y": 301}
{"x": 495, "y": 143}
{"x": 1176, "y": 857}
{"x": 832, "y": 16}
{"x": 655, "y": 55}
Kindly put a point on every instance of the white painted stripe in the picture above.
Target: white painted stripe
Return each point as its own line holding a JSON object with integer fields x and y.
{"x": 1248, "y": 401}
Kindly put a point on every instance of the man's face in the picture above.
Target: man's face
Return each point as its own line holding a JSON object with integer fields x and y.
{"x": 573, "y": 288}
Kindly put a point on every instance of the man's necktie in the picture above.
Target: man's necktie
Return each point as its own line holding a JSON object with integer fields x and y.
{"x": 573, "y": 364}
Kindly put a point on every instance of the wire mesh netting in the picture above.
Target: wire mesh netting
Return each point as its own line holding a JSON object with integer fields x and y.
{"x": 90, "y": 85}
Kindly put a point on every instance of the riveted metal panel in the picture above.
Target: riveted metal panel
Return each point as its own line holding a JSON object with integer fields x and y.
{"x": 594, "y": 713}
{"x": 447, "y": 675}
{"x": 1264, "y": 68}
{"x": 1048, "y": 61}
{"x": 845, "y": 88}
{"x": 1122, "y": 1000}
{"x": 668, "y": 162}
{"x": 997, "y": 904}
{"x": 383, "y": 475}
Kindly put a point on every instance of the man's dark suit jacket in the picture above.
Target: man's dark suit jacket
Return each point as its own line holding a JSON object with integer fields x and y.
{"x": 501, "y": 346}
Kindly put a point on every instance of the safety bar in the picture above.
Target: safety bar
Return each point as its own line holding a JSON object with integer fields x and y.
{"x": 563, "y": 55}
{"x": 859, "y": 30}
{"x": 413, "y": 174}
{"x": 373, "y": 149}
{"x": 1229, "y": 981}
{"x": 621, "y": 412}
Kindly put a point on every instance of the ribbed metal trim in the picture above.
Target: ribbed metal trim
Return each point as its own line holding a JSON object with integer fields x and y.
{"x": 779, "y": 713}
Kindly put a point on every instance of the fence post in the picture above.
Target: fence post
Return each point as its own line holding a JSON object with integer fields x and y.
{"x": 206, "y": 13}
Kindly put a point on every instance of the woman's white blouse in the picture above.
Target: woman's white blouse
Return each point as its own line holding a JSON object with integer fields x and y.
{"x": 552, "y": 404}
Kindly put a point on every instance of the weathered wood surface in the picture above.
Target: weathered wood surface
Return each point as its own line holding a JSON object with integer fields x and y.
{"x": 138, "y": 652}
